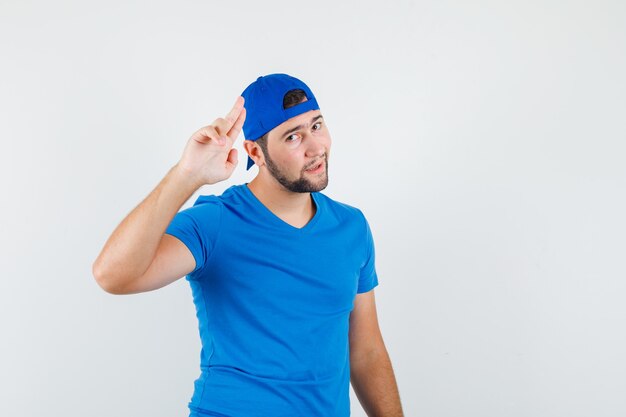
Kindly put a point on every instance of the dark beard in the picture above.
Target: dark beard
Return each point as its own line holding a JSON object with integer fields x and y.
{"x": 301, "y": 185}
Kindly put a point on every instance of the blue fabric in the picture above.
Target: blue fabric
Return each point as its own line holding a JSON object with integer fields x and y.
{"x": 273, "y": 304}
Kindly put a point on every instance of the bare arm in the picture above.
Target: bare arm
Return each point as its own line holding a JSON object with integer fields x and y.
{"x": 129, "y": 251}
{"x": 375, "y": 386}
{"x": 138, "y": 256}
{"x": 371, "y": 373}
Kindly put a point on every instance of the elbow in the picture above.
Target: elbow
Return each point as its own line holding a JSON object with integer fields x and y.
{"x": 105, "y": 281}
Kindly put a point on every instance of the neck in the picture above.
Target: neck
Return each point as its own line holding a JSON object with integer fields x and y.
{"x": 279, "y": 200}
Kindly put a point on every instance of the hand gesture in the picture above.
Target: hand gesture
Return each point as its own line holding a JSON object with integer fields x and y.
{"x": 209, "y": 156}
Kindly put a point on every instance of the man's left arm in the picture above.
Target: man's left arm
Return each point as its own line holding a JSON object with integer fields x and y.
{"x": 371, "y": 372}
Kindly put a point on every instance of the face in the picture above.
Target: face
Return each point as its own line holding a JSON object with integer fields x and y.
{"x": 297, "y": 153}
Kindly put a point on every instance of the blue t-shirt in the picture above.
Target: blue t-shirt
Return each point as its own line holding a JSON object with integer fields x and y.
{"x": 273, "y": 304}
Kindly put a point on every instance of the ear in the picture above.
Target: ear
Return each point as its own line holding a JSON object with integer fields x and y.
{"x": 254, "y": 151}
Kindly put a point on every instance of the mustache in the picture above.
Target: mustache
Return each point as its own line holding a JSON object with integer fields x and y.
{"x": 322, "y": 159}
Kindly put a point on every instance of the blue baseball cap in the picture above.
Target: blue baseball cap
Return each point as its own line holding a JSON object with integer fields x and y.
{"x": 264, "y": 105}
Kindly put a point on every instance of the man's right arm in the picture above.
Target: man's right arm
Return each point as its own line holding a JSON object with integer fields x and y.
{"x": 139, "y": 256}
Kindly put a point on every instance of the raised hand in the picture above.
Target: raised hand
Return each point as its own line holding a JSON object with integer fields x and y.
{"x": 209, "y": 156}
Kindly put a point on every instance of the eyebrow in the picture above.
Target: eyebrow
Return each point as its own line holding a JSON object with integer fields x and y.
{"x": 290, "y": 131}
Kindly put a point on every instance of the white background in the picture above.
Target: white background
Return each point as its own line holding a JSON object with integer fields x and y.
{"x": 484, "y": 141}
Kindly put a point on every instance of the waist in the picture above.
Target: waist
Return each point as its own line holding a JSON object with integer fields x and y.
{"x": 225, "y": 390}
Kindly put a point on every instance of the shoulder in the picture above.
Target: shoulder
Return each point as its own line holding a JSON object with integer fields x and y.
{"x": 207, "y": 200}
{"x": 206, "y": 203}
{"x": 205, "y": 206}
{"x": 212, "y": 201}
{"x": 231, "y": 198}
{"x": 340, "y": 209}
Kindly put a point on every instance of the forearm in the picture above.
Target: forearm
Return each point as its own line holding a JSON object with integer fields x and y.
{"x": 375, "y": 385}
{"x": 131, "y": 247}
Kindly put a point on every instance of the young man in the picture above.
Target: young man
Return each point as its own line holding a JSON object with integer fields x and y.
{"x": 282, "y": 276}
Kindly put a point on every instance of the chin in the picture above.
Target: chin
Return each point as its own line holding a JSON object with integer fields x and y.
{"x": 321, "y": 185}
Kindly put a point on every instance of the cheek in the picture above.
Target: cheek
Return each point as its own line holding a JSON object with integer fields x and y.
{"x": 289, "y": 161}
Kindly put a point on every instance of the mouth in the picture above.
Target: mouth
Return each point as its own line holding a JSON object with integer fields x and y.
{"x": 316, "y": 168}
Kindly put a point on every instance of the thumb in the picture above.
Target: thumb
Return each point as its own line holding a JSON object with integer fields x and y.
{"x": 232, "y": 160}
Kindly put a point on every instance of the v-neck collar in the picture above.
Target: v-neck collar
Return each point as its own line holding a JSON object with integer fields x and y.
{"x": 277, "y": 220}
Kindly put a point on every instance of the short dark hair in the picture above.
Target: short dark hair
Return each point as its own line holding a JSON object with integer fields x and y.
{"x": 291, "y": 98}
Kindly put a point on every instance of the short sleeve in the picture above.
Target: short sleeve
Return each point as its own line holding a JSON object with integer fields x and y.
{"x": 368, "y": 278}
{"x": 198, "y": 227}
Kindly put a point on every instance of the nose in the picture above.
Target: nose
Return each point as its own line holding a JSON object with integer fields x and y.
{"x": 315, "y": 147}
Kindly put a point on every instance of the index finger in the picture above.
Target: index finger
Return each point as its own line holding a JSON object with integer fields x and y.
{"x": 233, "y": 114}
{"x": 234, "y": 131}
